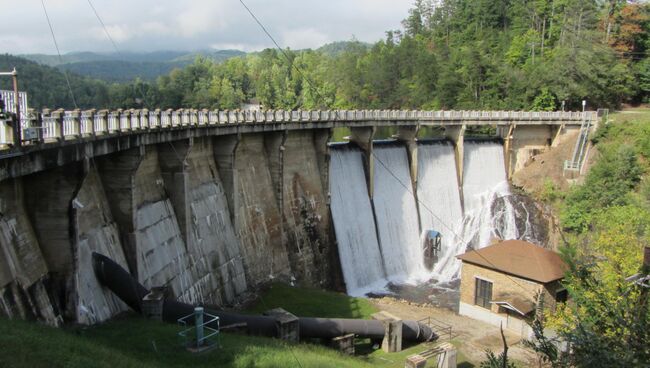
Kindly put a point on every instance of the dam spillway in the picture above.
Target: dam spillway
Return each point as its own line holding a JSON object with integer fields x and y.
{"x": 213, "y": 207}
{"x": 439, "y": 202}
{"x": 401, "y": 215}
{"x": 354, "y": 222}
{"x": 396, "y": 215}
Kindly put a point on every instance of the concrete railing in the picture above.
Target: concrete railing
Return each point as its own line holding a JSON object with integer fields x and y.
{"x": 64, "y": 125}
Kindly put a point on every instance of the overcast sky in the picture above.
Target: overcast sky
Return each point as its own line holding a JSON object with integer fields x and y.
{"x": 150, "y": 25}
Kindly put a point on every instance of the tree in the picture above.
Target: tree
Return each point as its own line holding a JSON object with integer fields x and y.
{"x": 545, "y": 101}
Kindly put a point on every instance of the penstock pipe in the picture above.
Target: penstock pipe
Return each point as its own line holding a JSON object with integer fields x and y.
{"x": 121, "y": 283}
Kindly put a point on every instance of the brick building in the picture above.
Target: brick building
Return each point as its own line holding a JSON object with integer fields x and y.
{"x": 503, "y": 283}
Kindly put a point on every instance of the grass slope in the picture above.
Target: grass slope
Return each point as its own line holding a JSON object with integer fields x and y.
{"x": 307, "y": 302}
{"x": 130, "y": 341}
{"x": 135, "y": 342}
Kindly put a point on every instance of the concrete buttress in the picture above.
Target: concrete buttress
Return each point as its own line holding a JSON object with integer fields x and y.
{"x": 197, "y": 193}
{"x": 363, "y": 137}
{"x": 23, "y": 270}
{"x": 48, "y": 200}
{"x": 305, "y": 209}
{"x": 154, "y": 246}
{"x": 94, "y": 231}
{"x": 255, "y": 209}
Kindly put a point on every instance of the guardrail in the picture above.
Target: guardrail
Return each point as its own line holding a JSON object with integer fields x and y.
{"x": 443, "y": 330}
{"x": 64, "y": 125}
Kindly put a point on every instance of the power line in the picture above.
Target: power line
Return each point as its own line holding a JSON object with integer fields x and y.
{"x": 440, "y": 220}
{"x": 289, "y": 60}
{"x": 144, "y": 98}
{"x": 375, "y": 156}
{"x": 303, "y": 76}
{"x": 56, "y": 45}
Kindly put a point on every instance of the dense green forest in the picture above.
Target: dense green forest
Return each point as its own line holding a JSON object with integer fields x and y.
{"x": 47, "y": 86}
{"x": 450, "y": 54}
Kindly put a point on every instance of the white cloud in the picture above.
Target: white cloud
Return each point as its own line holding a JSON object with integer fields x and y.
{"x": 153, "y": 28}
{"x": 148, "y": 25}
{"x": 304, "y": 38}
{"x": 119, "y": 32}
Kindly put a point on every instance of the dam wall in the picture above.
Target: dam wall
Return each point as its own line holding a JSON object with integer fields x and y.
{"x": 94, "y": 231}
{"x": 305, "y": 210}
{"x": 213, "y": 211}
{"x": 24, "y": 275}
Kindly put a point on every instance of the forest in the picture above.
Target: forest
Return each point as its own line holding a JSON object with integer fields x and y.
{"x": 449, "y": 54}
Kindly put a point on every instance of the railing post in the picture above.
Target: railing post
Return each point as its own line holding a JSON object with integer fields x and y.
{"x": 90, "y": 122}
{"x": 57, "y": 116}
{"x": 76, "y": 123}
{"x": 144, "y": 119}
{"x": 100, "y": 123}
{"x": 198, "y": 322}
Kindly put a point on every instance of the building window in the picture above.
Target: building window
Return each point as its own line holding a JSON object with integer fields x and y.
{"x": 483, "y": 293}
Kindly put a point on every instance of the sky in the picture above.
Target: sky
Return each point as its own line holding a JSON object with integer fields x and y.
{"x": 189, "y": 25}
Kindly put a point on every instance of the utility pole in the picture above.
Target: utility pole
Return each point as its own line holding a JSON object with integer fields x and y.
{"x": 16, "y": 128}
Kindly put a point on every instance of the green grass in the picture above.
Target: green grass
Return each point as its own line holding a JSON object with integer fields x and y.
{"x": 636, "y": 114}
{"x": 131, "y": 341}
{"x": 308, "y": 302}
{"x": 135, "y": 342}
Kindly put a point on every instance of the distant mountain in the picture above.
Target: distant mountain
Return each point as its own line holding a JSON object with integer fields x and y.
{"x": 122, "y": 67}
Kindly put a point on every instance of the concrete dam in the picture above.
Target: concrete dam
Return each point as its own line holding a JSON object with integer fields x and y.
{"x": 214, "y": 204}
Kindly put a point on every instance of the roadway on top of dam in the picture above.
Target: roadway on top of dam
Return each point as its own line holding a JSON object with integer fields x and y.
{"x": 69, "y": 136}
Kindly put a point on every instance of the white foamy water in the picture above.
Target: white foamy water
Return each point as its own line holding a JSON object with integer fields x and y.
{"x": 354, "y": 223}
{"x": 484, "y": 180}
{"x": 396, "y": 215}
{"x": 369, "y": 262}
{"x": 439, "y": 203}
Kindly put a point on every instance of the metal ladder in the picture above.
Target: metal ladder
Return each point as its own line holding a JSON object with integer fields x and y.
{"x": 580, "y": 150}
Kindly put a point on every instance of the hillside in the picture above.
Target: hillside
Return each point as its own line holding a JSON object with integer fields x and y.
{"x": 47, "y": 87}
{"x": 124, "y": 67}
{"x": 484, "y": 55}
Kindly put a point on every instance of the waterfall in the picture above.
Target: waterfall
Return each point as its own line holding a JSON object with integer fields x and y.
{"x": 354, "y": 222}
{"x": 397, "y": 216}
{"x": 439, "y": 203}
{"x": 380, "y": 241}
{"x": 484, "y": 181}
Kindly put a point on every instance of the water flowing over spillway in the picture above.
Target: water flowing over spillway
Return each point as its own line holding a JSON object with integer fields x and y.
{"x": 439, "y": 203}
{"x": 381, "y": 240}
{"x": 397, "y": 216}
{"x": 484, "y": 180}
{"x": 354, "y": 222}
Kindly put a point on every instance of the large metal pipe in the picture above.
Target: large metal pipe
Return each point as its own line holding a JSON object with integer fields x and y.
{"x": 120, "y": 282}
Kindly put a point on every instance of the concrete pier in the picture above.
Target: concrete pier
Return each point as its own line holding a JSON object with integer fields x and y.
{"x": 306, "y": 219}
{"x": 257, "y": 217}
{"x": 23, "y": 271}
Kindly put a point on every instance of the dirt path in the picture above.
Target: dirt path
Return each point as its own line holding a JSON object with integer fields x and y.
{"x": 473, "y": 336}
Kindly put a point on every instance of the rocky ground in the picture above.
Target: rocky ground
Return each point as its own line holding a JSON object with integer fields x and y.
{"x": 471, "y": 336}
